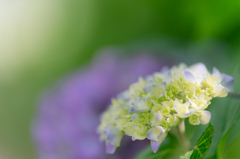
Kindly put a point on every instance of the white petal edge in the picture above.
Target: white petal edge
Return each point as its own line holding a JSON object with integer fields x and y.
{"x": 205, "y": 117}
{"x": 151, "y": 135}
{"x": 199, "y": 68}
{"x": 228, "y": 82}
{"x": 216, "y": 71}
{"x": 189, "y": 76}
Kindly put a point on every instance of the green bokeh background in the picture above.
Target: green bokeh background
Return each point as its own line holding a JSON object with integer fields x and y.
{"x": 57, "y": 36}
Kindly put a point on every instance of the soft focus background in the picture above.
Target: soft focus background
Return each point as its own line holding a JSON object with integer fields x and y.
{"x": 43, "y": 41}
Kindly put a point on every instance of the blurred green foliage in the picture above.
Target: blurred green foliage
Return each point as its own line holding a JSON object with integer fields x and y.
{"x": 80, "y": 28}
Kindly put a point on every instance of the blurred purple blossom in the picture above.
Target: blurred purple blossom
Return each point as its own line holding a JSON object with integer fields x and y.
{"x": 68, "y": 114}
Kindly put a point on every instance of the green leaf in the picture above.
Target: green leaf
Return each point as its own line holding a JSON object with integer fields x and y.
{"x": 232, "y": 149}
{"x": 201, "y": 148}
{"x": 187, "y": 155}
{"x": 222, "y": 143}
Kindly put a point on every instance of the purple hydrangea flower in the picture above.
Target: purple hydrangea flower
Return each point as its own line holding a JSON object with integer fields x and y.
{"x": 68, "y": 114}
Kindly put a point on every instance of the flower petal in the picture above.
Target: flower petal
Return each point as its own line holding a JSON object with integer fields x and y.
{"x": 155, "y": 145}
{"x": 189, "y": 76}
{"x": 216, "y": 71}
{"x": 168, "y": 77}
{"x": 199, "y": 68}
{"x": 205, "y": 117}
{"x": 194, "y": 119}
{"x": 138, "y": 106}
{"x": 228, "y": 82}
{"x": 182, "y": 109}
{"x": 110, "y": 149}
{"x": 156, "y": 133}
{"x": 113, "y": 135}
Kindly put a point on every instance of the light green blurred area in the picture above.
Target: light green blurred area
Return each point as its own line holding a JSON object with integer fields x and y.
{"x": 40, "y": 41}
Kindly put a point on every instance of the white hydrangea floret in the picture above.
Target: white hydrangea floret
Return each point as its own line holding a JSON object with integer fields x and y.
{"x": 155, "y": 104}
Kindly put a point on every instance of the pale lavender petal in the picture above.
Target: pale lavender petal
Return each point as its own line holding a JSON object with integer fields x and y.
{"x": 110, "y": 149}
{"x": 216, "y": 71}
{"x": 113, "y": 135}
{"x": 199, "y": 68}
{"x": 168, "y": 76}
{"x": 156, "y": 133}
{"x": 155, "y": 145}
{"x": 189, "y": 76}
{"x": 228, "y": 82}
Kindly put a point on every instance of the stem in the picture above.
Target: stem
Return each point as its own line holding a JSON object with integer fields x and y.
{"x": 179, "y": 132}
{"x": 182, "y": 137}
{"x": 234, "y": 95}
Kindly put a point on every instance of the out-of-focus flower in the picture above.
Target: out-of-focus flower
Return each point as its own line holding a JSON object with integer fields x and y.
{"x": 152, "y": 106}
{"x": 68, "y": 115}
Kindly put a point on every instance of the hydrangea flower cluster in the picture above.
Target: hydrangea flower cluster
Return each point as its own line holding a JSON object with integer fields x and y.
{"x": 155, "y": 104}
{"x": 68, "y": 114}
